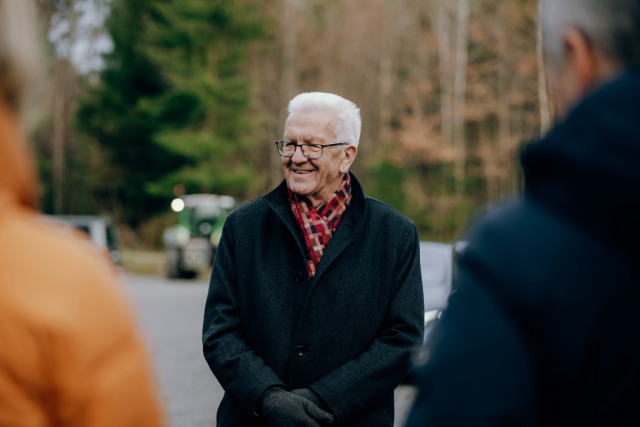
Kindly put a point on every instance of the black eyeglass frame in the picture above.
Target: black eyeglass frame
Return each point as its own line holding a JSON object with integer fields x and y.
{"x": 322, "y": 147}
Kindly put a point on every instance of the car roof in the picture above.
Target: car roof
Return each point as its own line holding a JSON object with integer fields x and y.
{"x": 442, "y": 248}
{"x": 191, "y": 200}
{"x": 81, "y": 219}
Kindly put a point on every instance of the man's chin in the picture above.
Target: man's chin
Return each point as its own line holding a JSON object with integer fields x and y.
{"x": 299, "y": 190}
{"x": 299, "y": 184}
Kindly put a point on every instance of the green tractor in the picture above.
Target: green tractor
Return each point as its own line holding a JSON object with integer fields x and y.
{"x": 190, "y": 245}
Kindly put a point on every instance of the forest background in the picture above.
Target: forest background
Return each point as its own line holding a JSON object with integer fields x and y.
{"x": 149, "y": 98}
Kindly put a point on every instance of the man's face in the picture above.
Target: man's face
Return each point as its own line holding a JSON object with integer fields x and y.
{"x": 315, "y": 179}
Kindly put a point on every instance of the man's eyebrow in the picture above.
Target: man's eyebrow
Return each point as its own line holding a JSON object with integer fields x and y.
{"x": 306, "y": 139}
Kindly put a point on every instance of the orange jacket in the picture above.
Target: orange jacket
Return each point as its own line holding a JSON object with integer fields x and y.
{"x": 69, "y": 353}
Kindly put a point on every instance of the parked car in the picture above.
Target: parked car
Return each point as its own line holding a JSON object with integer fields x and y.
{"x": 99, "y": 229}
{"x": 190, "y": 245}
{"x": 458, "y": 248}
{"x": 438, "y": 268}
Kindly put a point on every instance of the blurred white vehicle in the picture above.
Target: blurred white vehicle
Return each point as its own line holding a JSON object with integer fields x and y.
{"x": 436, "y": 269}
{"x": 100, "y": 231}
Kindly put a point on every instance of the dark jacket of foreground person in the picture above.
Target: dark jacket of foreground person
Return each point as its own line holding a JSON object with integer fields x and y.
{"x": 544, "y": 328}
{"x": 347, "y": 334}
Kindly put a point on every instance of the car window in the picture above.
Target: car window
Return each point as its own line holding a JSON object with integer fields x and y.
{"x": 84, "y": 228}
{"x": 112, "y": 239}
{"x": 206, "y": 211}
{"x": 433, "y": 268}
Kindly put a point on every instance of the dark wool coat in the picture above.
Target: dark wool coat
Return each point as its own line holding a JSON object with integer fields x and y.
{"x": 544, "y": 327}
{"x": 347, "y": 334}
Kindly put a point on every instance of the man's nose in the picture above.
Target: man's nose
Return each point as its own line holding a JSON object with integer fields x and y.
{"x": 298, "y": 157}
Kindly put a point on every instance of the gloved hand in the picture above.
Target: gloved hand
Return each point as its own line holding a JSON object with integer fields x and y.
{"x": 280, "y": 408}
{"x": 309, "y": 394}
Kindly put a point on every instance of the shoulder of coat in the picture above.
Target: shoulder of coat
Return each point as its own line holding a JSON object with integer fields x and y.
{"x": 250, "y": 208}
{"x": 386, "y": 209}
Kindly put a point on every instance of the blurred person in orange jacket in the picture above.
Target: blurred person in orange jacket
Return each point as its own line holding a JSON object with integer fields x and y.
{"x": 69, "y": 352}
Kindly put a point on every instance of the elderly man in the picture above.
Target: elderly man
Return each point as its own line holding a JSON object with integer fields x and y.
{"x": 315, "y": 301}
{"x": 544, "y": 328}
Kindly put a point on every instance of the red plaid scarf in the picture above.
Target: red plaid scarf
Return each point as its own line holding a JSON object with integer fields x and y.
{"x": 318, "y": 225}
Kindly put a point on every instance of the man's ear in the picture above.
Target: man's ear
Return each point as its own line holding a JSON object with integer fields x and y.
{"x": 582, "y": 58}
{"x": 349, "y": 155}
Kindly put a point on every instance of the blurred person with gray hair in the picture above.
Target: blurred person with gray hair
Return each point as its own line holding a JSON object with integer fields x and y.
{"x": 544, "y": 327}
{"x": 69, "y": 352}
{"x": 315, "y": 300}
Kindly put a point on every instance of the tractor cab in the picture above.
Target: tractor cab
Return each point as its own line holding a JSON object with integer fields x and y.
{"x": 190, "y": 245}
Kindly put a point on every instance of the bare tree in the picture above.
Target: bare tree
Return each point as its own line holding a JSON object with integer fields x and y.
{"x": 545, "y": 115}
{"x": 452, "y": 29}
{"x": 289, "y": 76}
{"x": 62, "y": 94}
{"x": 59, "y": 134}
{"x": 503, "y": 89}
{"x": 460, "y": 89}
{"x": 386, "y": 72}
{"x": 73, "y": 46}
{"x": 443, "y": 29}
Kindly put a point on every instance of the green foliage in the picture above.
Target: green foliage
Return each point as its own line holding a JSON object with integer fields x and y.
{"x": 387, "y": 182}
{"x": 425, "y": 194}
{"x": 172, "y": 106}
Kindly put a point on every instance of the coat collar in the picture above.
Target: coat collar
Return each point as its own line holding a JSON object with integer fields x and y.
{"x": 586, "y": 168}
{"x": 278, "y": 201}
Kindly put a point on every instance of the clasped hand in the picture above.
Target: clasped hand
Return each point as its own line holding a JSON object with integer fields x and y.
{"x": 280, "y": 408}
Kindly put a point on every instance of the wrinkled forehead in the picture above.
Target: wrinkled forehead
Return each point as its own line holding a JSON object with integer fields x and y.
{"x": 311, "y": 125}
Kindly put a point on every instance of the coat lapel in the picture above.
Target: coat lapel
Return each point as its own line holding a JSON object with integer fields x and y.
{"x": 278, "y": 201}
{"x": 345, "y": 231}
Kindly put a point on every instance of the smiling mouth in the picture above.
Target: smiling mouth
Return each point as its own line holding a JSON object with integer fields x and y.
{"x": 299, "y": 172}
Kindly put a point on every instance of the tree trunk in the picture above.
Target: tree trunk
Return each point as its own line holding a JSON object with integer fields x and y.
{"x": 289, "y": 81}
{"x": 443, "y": 28}
{"x": 386, "y": 74}
{"x": 545, "y": 114}
{"x": 62, "y": 101}
{"x": 59, "y": 131}
{"x": 500, "y": 158}
{"x": 504, "y": 131}
{"x": 460, "y": 91}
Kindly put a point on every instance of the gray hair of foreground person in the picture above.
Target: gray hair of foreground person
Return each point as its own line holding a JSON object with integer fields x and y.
{"x": 348, "y": 124}
{"x": 611, "y": 25}
{"x": 20, "y": 57}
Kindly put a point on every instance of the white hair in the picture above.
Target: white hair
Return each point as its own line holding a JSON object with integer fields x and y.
{"x": 349, "y": 123}
{"x": 611, "y": 25}
{"x": 20, "y": 60}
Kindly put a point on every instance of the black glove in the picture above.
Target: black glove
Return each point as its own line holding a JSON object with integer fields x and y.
{"x": 280, "y": 408}
{"x": 311, "y": 395}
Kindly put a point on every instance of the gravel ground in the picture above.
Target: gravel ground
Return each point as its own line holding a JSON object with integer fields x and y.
{"x": 171, "y": 314}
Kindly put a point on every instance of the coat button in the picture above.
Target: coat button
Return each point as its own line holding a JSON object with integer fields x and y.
{"x": 299, "y": 351}
{"x": 299, "y": 278}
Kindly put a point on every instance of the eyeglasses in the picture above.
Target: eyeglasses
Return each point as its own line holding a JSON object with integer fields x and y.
{"x": 310, "y": 151}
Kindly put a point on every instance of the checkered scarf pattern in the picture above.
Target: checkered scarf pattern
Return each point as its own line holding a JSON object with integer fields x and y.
{"x": 318, "y": 225}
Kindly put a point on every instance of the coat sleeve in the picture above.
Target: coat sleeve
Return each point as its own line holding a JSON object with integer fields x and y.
{"x": 364, "y": 382}
{"x": 242, "y": 374}
{"x": 480, "y": 371}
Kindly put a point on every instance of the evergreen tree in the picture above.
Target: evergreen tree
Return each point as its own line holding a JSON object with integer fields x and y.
{"x": 172, "y": 107}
